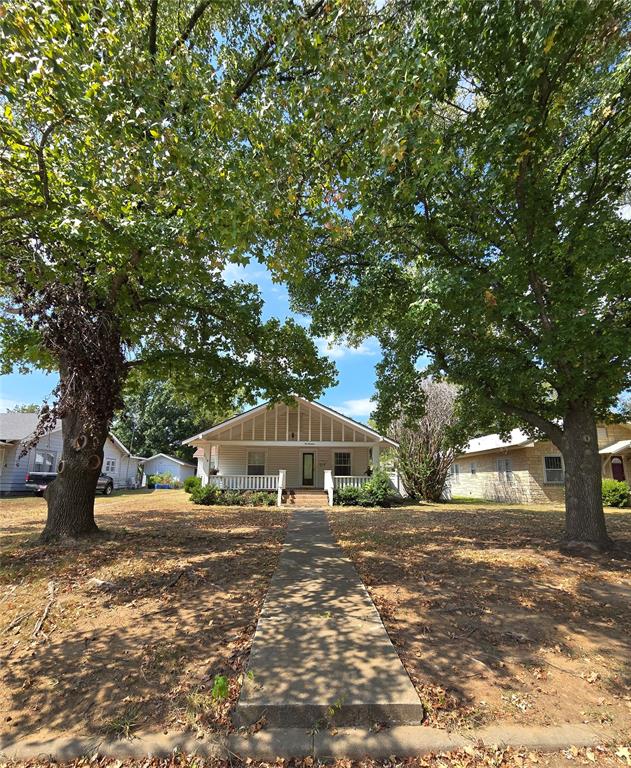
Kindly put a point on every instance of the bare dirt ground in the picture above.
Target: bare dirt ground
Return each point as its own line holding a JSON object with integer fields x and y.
{"x": 143, "y": 621}
{"x": 492, "y": 623}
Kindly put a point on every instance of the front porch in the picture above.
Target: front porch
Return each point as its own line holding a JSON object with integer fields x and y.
{"x": 287, "y": 449}
{"x": 616, "y": 461}
{"x": 278, "y": 483}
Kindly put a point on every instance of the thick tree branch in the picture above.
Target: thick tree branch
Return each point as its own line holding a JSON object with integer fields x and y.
{"x": 262, "y": 61}
{"x": 538, "y": 289}
{"x": 120, "y": 278}
{"x": 197, "y": 14}
{"x": 552, "y": 430}
{"x": 549, "y": 428}
{"x": 41, "y": 162}
{"x": 263, "y": 58}
{"x": 153, "y": 30}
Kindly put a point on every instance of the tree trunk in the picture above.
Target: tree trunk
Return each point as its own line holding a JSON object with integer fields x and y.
{"x": 70, "y": 497}
{"x": 585, "y": 528}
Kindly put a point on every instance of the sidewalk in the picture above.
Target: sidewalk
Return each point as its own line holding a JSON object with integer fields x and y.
{"x": 321, "y": 654}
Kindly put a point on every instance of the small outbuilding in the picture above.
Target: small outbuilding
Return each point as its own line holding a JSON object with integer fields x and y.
{"x": 160, "y": 463}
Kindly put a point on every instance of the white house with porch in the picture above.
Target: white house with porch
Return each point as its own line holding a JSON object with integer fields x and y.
{"x": 300, "y": 451}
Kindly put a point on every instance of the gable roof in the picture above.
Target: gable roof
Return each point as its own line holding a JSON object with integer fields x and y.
{"x": 517, "y": 439}
{"x": 17, "y": 427}
{"x": 172, "y": 458}
{"x": 120, "y": 446}
{"x": 264, "y": 406}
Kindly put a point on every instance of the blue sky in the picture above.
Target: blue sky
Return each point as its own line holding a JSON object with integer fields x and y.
{"x": 356, "y": 367}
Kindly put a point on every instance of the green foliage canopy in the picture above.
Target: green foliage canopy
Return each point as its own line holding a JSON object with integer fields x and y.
{"x": 156, "y": 418}
{"x": 462, "y": 171}
{"x": 126, "y": 188}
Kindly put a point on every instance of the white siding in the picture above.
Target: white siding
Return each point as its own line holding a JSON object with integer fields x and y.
{"x": 15, "y": 468}
{"x": 163, "y": 464}
{"x": 13, "y": 471}
{"x": 233, "y": 461}
{"x": 128, "y": 475}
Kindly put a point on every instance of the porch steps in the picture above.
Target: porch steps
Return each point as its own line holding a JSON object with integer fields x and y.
{"x": 306, "y": 498}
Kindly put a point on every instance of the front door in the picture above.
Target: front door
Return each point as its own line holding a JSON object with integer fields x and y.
{"x": 307, "y": 468}
{"x": 617, "y": 468}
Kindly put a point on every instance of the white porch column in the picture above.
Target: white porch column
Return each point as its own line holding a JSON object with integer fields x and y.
{"x": 375, "y": 457}
{"x": 328, "y": 485}
{"x": 203, "y": 465}
{"x": 282, "y": 483}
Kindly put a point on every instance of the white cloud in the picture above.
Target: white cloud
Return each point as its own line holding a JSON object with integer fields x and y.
{"x": 7, "y": 404}
{"x": 337, "y": 351}
{"x": 363, "y": 406}
{"x": 248, "y": 273}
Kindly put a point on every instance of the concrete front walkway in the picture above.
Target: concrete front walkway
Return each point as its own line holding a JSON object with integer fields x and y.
{"x": 321, "y": 654}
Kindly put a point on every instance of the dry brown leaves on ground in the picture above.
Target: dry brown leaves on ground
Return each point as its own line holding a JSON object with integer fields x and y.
{"x": 470, "y": 757}
{"x": 492, "y": 623}
{"x": 143, "y": 623}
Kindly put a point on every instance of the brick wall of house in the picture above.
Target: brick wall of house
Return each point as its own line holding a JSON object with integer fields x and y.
{"x": 479, "y": 477}
{"x": 527, "y": 481}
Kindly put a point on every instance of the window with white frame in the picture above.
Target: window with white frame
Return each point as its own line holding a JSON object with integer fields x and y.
{"x": 342, "y": 465}
{"x": 256, "y": 462}
{"x": 553, "y": 469}
{"x": 44, "y": 461}
{"x": 505, "y": 470}
{"x": 109, "y": 466}
{"x": 454, "y": 471}
{"x": 473, "y": 468}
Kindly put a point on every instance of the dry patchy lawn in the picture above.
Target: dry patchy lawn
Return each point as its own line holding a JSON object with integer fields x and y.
{"x": 182, "y": 589}
{"x": 492, "y": 623}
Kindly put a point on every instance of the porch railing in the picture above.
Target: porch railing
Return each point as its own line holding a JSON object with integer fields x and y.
{"x": 355, "y": 481}
{"x": 245, "y": 482}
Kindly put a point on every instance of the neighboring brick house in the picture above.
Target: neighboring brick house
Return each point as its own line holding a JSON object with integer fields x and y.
{"x": 525, "y": 470}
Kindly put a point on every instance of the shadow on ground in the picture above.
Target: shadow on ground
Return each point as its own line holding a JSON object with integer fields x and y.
{"x": 143, "y": 619}
{"x": 491, "y": 621}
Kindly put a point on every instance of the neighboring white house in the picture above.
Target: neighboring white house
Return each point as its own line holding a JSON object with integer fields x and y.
{"x": 305, "y": 447}
{"x": 15, "y": 428}
{"x": 161, "y": 463}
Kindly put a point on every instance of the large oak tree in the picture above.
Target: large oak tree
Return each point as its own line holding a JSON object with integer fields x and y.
{"x": 126, "y": 187}
{"x": 454, "y": 187}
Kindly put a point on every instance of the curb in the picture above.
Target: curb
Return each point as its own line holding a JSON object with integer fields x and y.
{"x": 352, "y": 743}
{"x": 141, "y": 745}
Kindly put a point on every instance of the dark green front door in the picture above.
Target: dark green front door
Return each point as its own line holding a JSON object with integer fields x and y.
{"x": 307, "y": 468}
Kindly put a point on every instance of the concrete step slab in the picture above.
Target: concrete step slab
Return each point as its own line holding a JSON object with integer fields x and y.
{"x": 270, "y": 743}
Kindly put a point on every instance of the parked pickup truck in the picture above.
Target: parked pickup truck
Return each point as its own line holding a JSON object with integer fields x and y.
{"x": 37, "y": 481}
